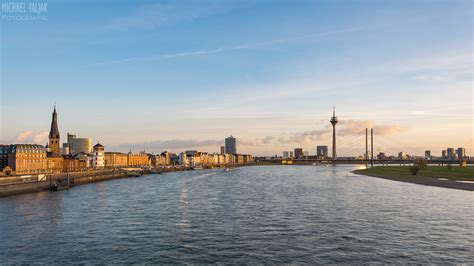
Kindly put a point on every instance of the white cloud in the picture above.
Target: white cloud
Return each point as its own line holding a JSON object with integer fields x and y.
{"x": 30, "y": 136}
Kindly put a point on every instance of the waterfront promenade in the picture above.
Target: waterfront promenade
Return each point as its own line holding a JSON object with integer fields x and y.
{"x": 14, "y": 185}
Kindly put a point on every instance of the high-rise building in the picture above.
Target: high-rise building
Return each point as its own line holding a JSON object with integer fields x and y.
{"x": 291, "y": 154}
{"x": 286, "y": 154}
{"x": 230, "y": 145}
{"x": 298, "y": 152}
{"x": 54, "y": 136}
{"x": 451, "y": 153}
{"x": 322, "y": 151}
{"x": 444, "y": 154}
{"x": 222, "y": 149}
{"x": 428, "y": 154}
{"x": 333, "y": 123}
{"x": 461, "y": 153}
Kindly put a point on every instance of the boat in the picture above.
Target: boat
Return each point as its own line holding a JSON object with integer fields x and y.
{"x": 133, "y": 174}
{"x": 199, "y": 167}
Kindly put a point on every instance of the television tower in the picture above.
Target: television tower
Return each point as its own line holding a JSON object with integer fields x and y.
{"x": 333, "y": 123}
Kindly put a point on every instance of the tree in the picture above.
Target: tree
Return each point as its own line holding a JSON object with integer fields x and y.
{"x": 418, "y": 164}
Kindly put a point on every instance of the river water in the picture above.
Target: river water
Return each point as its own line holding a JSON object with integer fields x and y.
{"x": 267, "y": 214}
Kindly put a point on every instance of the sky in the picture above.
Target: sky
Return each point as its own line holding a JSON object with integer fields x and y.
{"x": 177, "y": 75}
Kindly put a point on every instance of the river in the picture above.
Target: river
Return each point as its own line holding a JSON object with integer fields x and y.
{"x": 264, "y": 214}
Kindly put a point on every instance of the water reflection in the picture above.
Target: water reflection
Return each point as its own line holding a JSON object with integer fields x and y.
{"x": 183, "y": 206}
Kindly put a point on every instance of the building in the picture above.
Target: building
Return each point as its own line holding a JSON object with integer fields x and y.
{"x": 286, "y": 154}
{"x": 451, "y": 153}
{"x": 115, "y": 159}
{"x": 322, "y": 151}
{"x": 334, "y": 121}
{"x": 27, "y": 158}
{"x": 167, "y": 157}
{"x": 183, "y": 159}
{"x": 444, "y": 154}
{"x": 402, "y": 155}
{"x": 381, "y": 156}
{"x": 230, "y": 145}
{"x": 222, "y": 149}
{"x": 65, "y": 149}
{"x": 98, "y": 156}
{"x": 461, "y": 152}
{"x": 78, "y": 162}
{"x": 78, "y": 145}
{"x": 138, "y": 159}
{"x": 298, "y": 152}
{"x": 54, "y": 136}
{"x": 291, "y": 154}
{"x": 3, "y": 156}
{"x": 428, "y": 154}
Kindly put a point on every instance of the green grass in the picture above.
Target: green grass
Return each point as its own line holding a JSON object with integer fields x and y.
{"x": 456, "y": 173}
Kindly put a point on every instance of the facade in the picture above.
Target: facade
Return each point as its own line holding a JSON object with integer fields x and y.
{"x": 27, "y": 158}
{"x": 98, "y": 156}
{"x": 183, "y": 159}
{"x": 140, "y": 159}
{"x": 230, "y": 145}
{"x": 451, "y": 154}
{"x": 115, "y": 159}
{"x": 78, "y": 145}
{"x": 54, "y": 164}
{"x": 444, "y": 154}
{"x": 291, "y": 154}
{"x": 3, "y": 156}
{"x": 65, "y": 149}
{"x": 167, "y": 157}
{"x": 298, "y": 152}
{"x": 286, "y": 154}
{"x": 78, "y": 162}
{"x": 322, "y": 151}
{"x": 222, "y": 149}
{"x": 461, "y": 152}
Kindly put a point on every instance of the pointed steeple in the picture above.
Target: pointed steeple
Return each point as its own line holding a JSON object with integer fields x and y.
{"x": 54, "y": 132}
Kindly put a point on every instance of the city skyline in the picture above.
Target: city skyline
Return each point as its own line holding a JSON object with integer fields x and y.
{"x": 186, "y": 84}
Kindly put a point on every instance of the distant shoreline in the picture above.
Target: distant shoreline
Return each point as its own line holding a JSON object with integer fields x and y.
{"x": 420, "y": 180}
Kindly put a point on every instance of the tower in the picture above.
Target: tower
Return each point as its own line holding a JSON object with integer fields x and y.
{"x": 54, "y": 135}
{"x": 333, "y": 123}
{"x": 230, "y": 145}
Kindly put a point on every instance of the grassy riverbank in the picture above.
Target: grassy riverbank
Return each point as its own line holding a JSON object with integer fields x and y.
{"x": 440, "y": 176}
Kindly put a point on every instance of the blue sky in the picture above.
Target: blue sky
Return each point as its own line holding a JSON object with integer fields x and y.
{"x": 185, "y": 74}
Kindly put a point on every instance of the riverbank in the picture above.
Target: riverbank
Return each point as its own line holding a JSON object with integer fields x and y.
{"x": 15, "y": 185}
{"x": 439, "y": 176}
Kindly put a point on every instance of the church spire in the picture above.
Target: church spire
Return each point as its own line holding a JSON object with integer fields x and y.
{"x": 54, "y": 135}
{"x": 54, "y": 132}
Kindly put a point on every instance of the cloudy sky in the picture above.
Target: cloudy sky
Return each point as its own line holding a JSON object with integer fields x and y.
{"x": 178, "y": 75}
